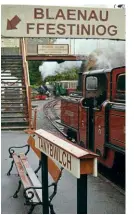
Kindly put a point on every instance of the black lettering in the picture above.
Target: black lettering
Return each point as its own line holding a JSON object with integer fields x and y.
{"x": 93, "y": 29}
{"x": 60, "y": 14}
{"x": 39, "y": 27}
{"x": 49, "y": 28}
{"x": 68, "y": 161}
{"x": 93, "y": 15}
{"x": 44, "y": 147}
{"x": 71, "y": 13}
{"x": 47, "y": 14}
{"x": 56, "y": 153}
{"x": 112, "y": 30}
{"x": 84, "y": 29}
{"x": 38, "y": 13}
{"x": 104, "y": 18}
{"x": 64, "y": 155}
{"x": 48, "y": 147}
{"x": 81, "y": 15}
{"x": 60, "y": 161}
{"x": 101, "y": 30}
{"x": 28, "y": 27}
{"x": 62, "y": 28}
{"x": 71, "y": 28}
{"x": 51, "y": 150}
{"x": 78, "y": 29}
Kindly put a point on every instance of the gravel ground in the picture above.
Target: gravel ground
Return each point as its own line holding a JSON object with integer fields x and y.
{"x": 103, "y": 198}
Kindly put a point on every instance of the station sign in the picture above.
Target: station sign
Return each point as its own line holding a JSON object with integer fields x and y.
{"x": 71, "y": 157}
{"x": 53, "y": 49}
{"x": 62, "y": 22}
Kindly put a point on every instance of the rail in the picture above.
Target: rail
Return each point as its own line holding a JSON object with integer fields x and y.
{"x": 27, "y": 81}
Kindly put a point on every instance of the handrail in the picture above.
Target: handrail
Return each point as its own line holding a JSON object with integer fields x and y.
{"x": 27, "y": 81}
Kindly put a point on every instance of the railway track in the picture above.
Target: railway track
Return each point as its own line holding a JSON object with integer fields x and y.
{"x": 50, "y": 112}
{"x": 53, "y": 117}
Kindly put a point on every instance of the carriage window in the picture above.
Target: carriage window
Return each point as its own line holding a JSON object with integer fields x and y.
{"x": 65, "y": 85}
{"x": 91, "y": 83}
{"x": 121, "y": 82}
{"x": 72, "y": 85}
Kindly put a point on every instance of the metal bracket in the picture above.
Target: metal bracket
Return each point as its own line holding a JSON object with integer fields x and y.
{"x": 11, "y": 149}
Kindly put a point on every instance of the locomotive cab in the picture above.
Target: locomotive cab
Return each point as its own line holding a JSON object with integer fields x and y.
{"x": 95, "y": 88}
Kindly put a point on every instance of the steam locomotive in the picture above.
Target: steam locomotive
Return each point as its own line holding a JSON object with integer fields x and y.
{"x": 96, "y": 119}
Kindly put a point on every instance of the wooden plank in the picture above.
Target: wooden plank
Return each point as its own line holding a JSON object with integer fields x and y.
{"x": 86, "y": 166}
{"x": 31, "y": 142}
{"x": 21, "y": 171}
{"x": 32, "y": 176}
{"x": 25, "y": 180}
{"x": 53, "y": 169}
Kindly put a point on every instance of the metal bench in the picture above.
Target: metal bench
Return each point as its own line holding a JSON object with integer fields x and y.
{"x": 28, "y": 178}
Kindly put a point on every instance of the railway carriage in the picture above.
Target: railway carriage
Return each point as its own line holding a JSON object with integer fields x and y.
{"x": 65, "y": 87}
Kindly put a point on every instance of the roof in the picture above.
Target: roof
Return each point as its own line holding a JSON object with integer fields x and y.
{"x": 65, "y": 145}
{"x": 98, "y": 71}
{"x": 67, "y": 81}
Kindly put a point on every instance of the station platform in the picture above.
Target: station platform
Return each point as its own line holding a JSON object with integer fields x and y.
{"x": 103, "y": 197}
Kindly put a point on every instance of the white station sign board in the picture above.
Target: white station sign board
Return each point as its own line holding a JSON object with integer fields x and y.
{"x": 67, "y": 155}
{"x": 62, "y": 22}
{"x": 51, "y": 49}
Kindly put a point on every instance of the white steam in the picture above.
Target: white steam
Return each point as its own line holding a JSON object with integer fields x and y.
{"x": 50, "y": 68}
{"x": 112, "y": 56}
{"x": 109, "y": 54}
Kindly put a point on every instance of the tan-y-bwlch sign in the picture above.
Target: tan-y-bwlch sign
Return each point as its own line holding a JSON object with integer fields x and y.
{"x": 73, "y": 158}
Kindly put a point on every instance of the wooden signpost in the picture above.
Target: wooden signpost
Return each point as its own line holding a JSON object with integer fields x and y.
{"x": 78, "y": 161}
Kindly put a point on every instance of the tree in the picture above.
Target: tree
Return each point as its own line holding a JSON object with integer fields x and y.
{"x": 34, "y": 74}
{"x": 67, "y": 74}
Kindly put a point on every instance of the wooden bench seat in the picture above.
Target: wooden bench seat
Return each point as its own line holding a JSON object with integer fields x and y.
{"x": 28, "y": 178}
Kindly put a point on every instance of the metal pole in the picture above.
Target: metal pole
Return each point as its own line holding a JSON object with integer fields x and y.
{"x": 82, "y": 195}
{"x": 44, "y": 164}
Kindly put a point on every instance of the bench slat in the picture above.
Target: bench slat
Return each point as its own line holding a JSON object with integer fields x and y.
{"x": 32, "y": 176}
{"x": 25, "y": 180}
{"x": 21, "y": 171}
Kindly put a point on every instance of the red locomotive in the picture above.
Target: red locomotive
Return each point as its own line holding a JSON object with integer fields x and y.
{"x": 96, "y": 119}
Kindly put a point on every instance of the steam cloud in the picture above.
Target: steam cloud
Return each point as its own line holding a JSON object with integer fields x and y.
{"x": 49, "y": 68}
{"x": 107, "y": 53}
{"x": 111, "y": 56}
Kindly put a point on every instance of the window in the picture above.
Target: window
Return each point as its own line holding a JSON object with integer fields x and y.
{"x": 91, "y": 83}
{"x": 120, "y": 88}
{"x": 65, "y": 85}
{"x": 121, "y": 83}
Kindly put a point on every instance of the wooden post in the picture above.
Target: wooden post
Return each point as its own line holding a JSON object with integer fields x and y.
{"x": 35, "y": 117}
{"x": 30, "y": 107}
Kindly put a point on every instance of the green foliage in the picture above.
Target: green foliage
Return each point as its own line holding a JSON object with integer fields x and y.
{"x": 34, "y": 86}
{"x": 34, "y": 74}
{"x": 68, "y": 74}
{"x": 36, "y": 79}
